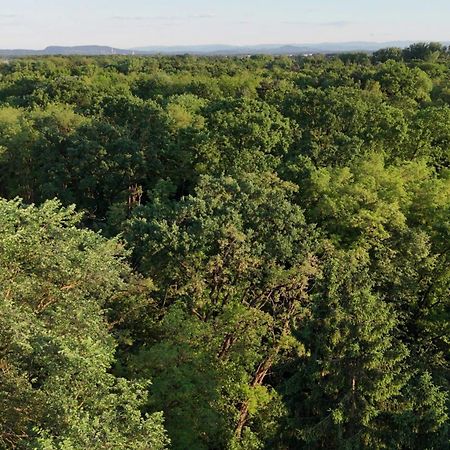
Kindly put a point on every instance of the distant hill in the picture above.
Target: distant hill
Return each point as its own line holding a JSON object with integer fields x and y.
{"x": 271, "y": 49}
{"x": 60, "y": 50}
{"x": 274, "y": 49}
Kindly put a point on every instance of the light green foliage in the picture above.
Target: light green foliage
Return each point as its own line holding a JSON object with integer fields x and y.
{"x": 56, "y": 352}
{"x": 401, "y": 83}
{"x": 366, "y": 202}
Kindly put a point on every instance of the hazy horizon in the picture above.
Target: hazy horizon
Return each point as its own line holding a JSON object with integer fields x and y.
{"x": 138, "y": 23}
{"x": 222, "y": 44}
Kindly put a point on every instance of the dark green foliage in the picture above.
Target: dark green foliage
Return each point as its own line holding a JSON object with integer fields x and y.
{"x": 231, "y": 266}
{"x": 425, "y": 51}
{"x": 386, "y": 54}
{"x": 348, "y": 385}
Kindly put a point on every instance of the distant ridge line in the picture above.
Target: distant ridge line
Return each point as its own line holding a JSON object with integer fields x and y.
{"x": 211, "y": 50}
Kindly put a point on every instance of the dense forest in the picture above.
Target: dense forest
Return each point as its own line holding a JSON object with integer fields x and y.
{"x": 225, "y": 253}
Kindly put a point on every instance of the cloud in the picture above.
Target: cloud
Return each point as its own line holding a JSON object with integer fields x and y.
{"x": 338, "y": 23}
{"x": 8, "y": 20}
{"x": 335, "y": 24}
{"x": 203, "y": 16}
{"x": 163, "y": 18}
{"x": 141, "y": 18}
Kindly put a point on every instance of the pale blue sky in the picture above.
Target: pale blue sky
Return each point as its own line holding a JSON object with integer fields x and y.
{"x": 132, "y": 23}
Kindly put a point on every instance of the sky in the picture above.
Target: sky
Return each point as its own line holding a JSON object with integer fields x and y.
{"x": 35, "y": 24}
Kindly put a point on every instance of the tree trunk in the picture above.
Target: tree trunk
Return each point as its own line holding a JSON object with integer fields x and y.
{"x": 258, "y": 379}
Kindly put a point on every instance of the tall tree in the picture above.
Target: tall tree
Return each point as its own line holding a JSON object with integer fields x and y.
{"x": 232, "y": 266}
{"x": 56, "y": 351}
{"x": 348, "y": 384}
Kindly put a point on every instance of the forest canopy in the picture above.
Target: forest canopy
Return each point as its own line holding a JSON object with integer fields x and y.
{"x": 207, "y": 253}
